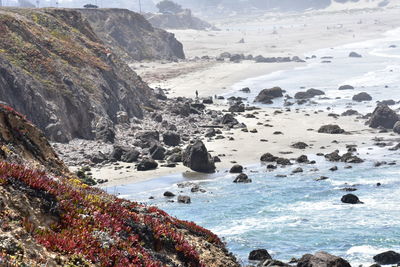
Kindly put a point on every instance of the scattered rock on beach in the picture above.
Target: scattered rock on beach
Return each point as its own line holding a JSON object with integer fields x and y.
{"x": 322, "y": 259}
{"x": 147, "y": 164}
{"x": 197, "y": 158}
{"x": 331, "y": 129}
{"x": 351, "y": 199}
{"x": 299, "y": 145}
{"x": 171, "y": 138}
{"x": 388, "y": 257}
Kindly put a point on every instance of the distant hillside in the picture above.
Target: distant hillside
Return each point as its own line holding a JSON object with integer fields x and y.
{"x": 207, "y": 7}
{"x": 181, "y": 20}
{"x": 55, "y": 69}
{"x": 131, "y": 36}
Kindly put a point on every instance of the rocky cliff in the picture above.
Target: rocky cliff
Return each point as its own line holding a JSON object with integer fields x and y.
{"x": 57, "y": 71}
{"x": 131, "y": 36}
{"x": 49, "y": 218}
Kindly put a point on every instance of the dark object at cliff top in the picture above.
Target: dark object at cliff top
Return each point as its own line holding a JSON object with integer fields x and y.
{"x": 90, "y": 6}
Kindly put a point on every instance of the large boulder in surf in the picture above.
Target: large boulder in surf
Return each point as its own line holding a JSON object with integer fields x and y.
{"x": 351, "y": 199}
{"x": 363, "y": 96}
{"x": 322, "y": 259}
{"x": 259, "y": 255}
{"x": 383, "y": 116}
{"x": 388, "y": 257}
{"x": 197, "y": 158}
{"x": 266, "y": 95}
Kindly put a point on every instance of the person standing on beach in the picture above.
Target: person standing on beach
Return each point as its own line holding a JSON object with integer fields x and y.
{"x": 197, "y": 94}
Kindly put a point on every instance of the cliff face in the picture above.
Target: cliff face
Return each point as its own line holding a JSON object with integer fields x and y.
{"x": 55, "y": 69}
{"x": 49, "y": 218}
{"x": 131, "y": 36}
{"x": 23, "y": 143}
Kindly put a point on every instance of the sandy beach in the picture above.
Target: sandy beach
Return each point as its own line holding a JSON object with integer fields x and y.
{"x": 297, "y": 35}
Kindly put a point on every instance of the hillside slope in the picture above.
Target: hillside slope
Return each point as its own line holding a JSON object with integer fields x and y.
{"x": 55, "y": 69}
{"x": 55, "y": 220}
{"x": 131, "y": 36}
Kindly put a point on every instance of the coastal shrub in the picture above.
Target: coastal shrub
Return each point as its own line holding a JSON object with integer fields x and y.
{"x": 104, "y": 229}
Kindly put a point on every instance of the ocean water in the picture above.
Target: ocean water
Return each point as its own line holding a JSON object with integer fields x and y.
{"x": 296, "y": 215}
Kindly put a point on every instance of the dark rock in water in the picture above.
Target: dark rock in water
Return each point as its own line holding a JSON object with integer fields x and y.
{"x": 334, "y": 168}
{"x": 259, "y": 255}
{"x": 363, "y": 96}
{"x": 184, "y": 199}
{"x": 354, "y": 54}
{"x": 197, "y": 158}
{"x": 322, "y": 259}
{"x": 351, "y": 199}
{"x": 350, "y": 112}
{"x": 283, "y": 161}
{"x": 171, "y": 138}
{"x": 242, "y": 178}
{"x": 389, "y": 102}
{"x": 302, "y": 159}
{"x": 273, "y": 263}
{"x": 350, "y": 158}
{"x": 300, "y": 145}
{"x": 383, "y": 116}
{"x": 105, "y": 131}
{"x": 349, "y": 189}
{"x": 396, "y": 127}
{"x": 236, "y": 107}
{"x": 266, "y": 95}
{"x": 322, "y": 178}
{"x": 245, "y": 90}
{"x": 157, "y": 152}
{"x": 130, "y": 156}
{"x": 147, "y": 164}
{"x": 236, "y": 168}
{"x": 168, "y": 194}
{"x": 297, "y": 170}
{"x": 388, "y": 257}
{"x": 229, "y": 119}
{"x": 310, "y": 93}
{"x": 331, "y": 129}
{"x": 346, "y": 87}
{"x": 268, "y": 157}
